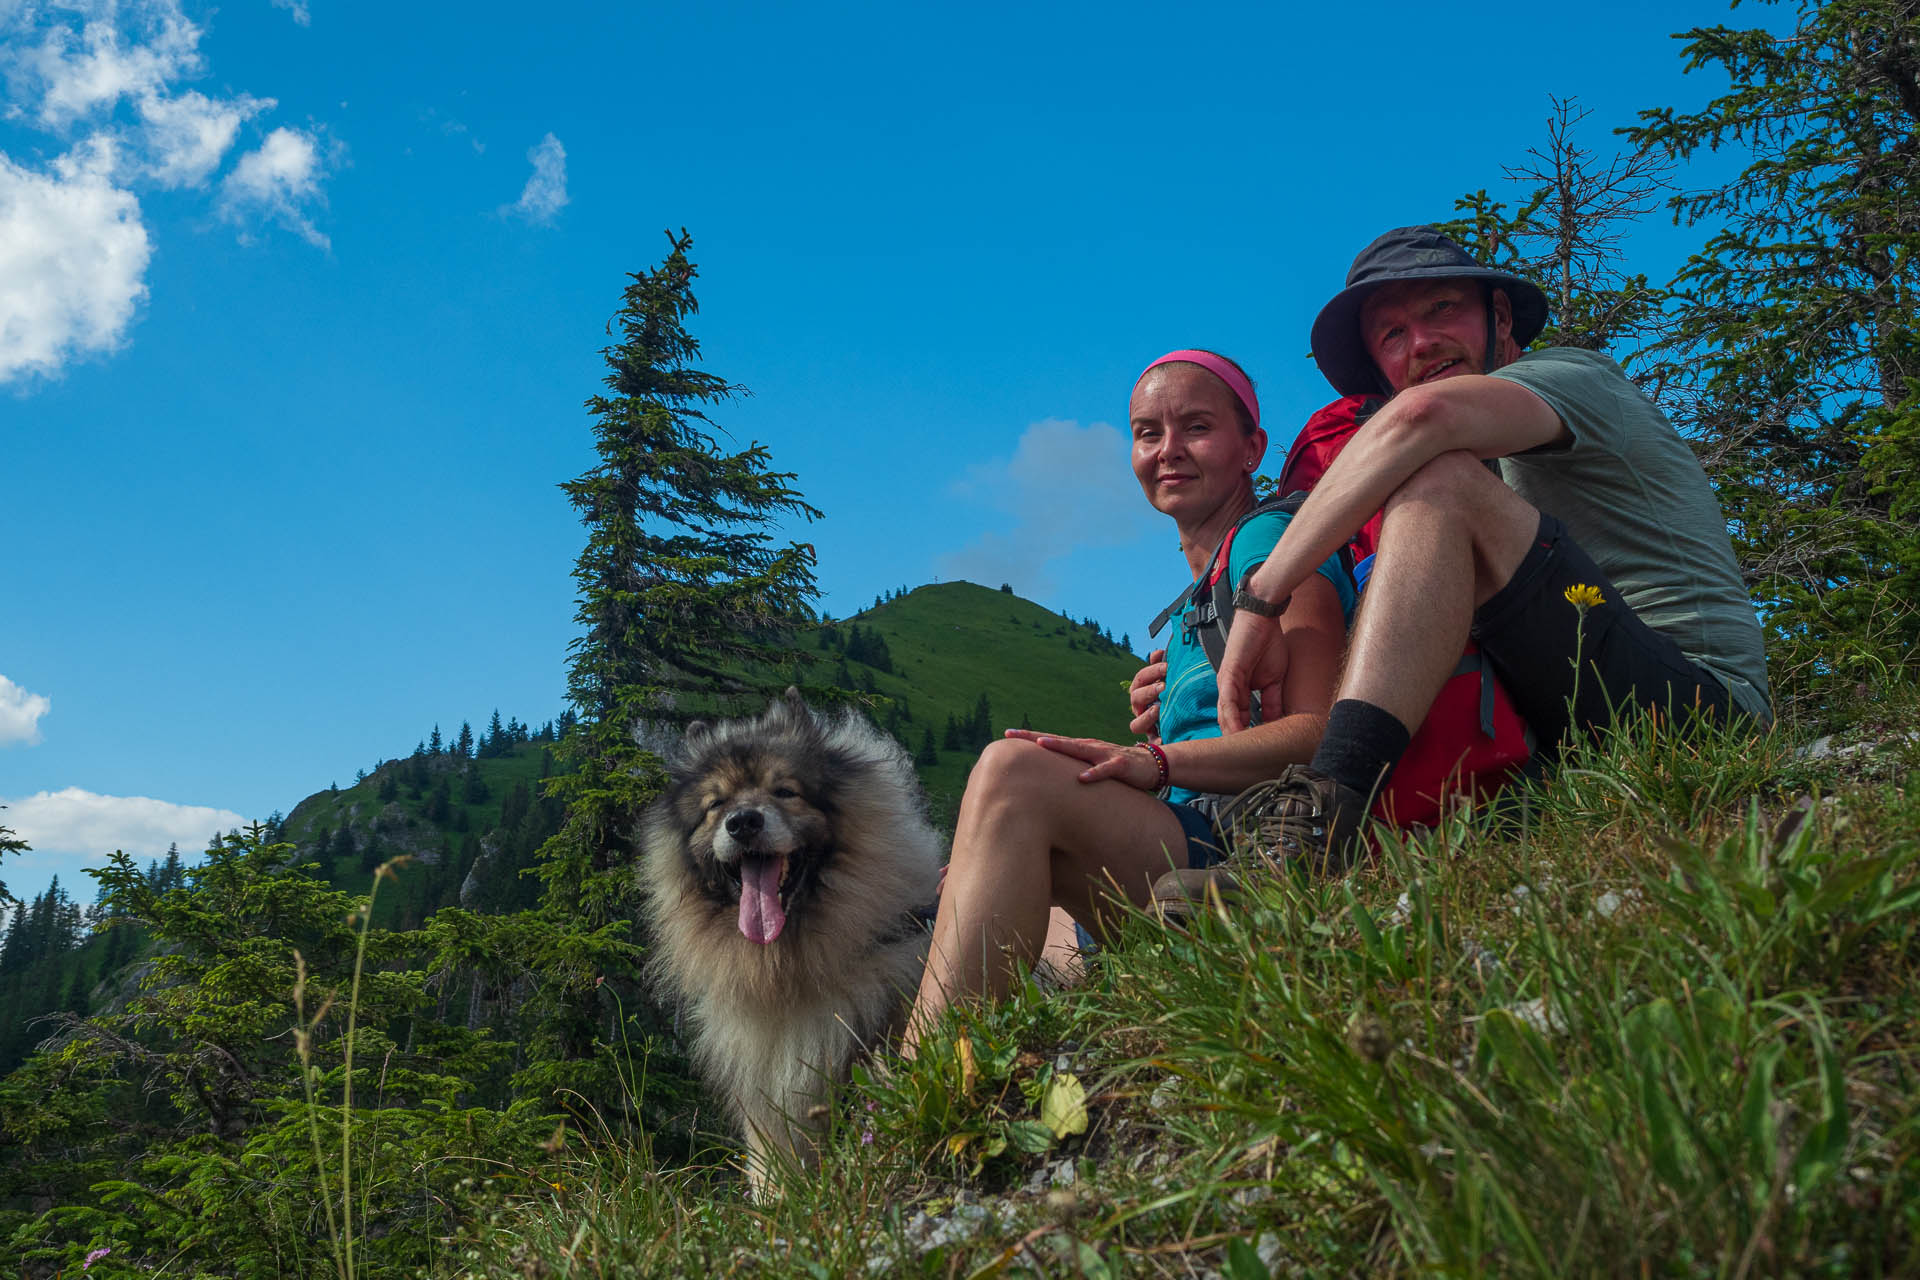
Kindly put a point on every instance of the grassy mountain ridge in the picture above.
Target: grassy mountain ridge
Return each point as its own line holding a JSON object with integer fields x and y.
{"x": 950, "y": 642}
{"x": 470, "y": 826}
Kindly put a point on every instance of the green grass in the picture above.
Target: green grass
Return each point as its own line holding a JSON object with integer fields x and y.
{"x": 1663, "y": 1022}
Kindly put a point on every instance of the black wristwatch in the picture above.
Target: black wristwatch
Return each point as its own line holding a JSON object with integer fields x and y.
{"x": 1251, "y": 603}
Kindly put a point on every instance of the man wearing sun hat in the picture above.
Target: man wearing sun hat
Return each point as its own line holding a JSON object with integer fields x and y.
{"x": 1535, "y": 502}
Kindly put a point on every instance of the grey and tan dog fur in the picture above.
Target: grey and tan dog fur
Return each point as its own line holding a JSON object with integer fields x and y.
{"x": 782, "y": 868}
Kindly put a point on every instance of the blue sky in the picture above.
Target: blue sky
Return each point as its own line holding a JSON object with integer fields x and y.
{"x": 299, "y": 302}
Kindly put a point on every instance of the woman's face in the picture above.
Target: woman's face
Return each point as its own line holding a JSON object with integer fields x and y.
{"x": 1189, "y": 452}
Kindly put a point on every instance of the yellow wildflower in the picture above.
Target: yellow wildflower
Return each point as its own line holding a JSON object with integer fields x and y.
{"x": 1583, "y": 596}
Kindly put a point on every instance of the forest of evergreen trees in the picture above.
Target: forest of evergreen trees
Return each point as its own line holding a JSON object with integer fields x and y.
{"x": 58, "y": 949}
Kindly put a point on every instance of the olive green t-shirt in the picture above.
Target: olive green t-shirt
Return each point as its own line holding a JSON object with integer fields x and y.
{"x": 1634, "y": 496}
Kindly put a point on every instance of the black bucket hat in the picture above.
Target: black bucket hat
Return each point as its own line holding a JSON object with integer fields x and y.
{"x": 1407, "y": 253}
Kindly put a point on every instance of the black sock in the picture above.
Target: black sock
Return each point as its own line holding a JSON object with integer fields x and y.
{"x": 1361, "y": 745}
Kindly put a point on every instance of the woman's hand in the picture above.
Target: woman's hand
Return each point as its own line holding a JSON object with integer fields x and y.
{"x": 1144, "y": 694}
{"x": 1134, "y": 765}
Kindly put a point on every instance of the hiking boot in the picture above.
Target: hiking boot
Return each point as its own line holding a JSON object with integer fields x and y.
{"x": 1302, "y": 818}
{"x": 1178, "y": 896}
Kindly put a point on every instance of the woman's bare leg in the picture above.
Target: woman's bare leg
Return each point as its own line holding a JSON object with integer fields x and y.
{"x": 1032, "y": 836}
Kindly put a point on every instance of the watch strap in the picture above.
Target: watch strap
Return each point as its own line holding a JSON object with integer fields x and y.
{"x": 1245, "y": 600}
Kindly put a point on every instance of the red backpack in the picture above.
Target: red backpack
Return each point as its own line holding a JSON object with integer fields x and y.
{"x": 1473, "y": 739}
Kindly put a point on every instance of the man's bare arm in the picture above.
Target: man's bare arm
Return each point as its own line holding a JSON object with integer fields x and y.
{"x": 1487, "y": 417}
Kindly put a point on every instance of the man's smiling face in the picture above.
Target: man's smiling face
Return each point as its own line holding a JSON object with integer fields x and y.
{"x": 1423, "y": 331}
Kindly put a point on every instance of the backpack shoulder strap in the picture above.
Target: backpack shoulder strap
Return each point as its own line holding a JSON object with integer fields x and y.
{"x": 1220, "y": 585}
{"x": 1216, "y": 563}
{"x": 1208, "y": 602}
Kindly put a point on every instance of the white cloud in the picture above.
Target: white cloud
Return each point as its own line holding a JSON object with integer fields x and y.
{"x": 73, "y": 261}
{"x": 297, "y": 9}
{"x": 73, "y": 821}
{"x": 187, "y": 136}
{"x": 100, "y": 80}
{"x": 84, "y": 72}
{"x": 275, "y": 181}
{"x": 1067, "y": 488}
{"x": 449, "y": 126}
{"x": 20, "y": 712}
{"x": 546, "y": 191}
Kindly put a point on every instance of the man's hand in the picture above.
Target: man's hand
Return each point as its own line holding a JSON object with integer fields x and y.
{"x": 1255, "y": 661}
{"x": 1144, "y": 694}
{"x": 1134, "y": 766}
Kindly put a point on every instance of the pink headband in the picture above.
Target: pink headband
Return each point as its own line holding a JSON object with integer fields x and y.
{"x": 1220, "y": 368}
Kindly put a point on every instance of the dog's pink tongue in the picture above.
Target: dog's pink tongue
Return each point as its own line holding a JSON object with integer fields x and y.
{"x": 761, "y": 915}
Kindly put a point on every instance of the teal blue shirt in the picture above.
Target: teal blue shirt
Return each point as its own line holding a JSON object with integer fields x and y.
{"x": 1188, "y": 703}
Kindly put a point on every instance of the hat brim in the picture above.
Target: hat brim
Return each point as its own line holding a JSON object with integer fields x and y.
{"x": 1343, "y": 357}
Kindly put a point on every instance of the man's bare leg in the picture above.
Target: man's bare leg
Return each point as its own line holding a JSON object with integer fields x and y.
{"x": 1453, "y": 536}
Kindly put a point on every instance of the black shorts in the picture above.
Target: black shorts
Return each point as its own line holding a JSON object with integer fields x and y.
{"x": 1531, "y": 633}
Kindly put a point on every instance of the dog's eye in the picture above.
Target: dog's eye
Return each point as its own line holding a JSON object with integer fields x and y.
{"x": 785, "y": 793}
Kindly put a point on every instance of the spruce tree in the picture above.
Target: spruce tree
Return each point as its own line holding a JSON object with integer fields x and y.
{"x": 1567, "y": 236}
{"x": 16, "y": 952}
{"x": 686, "y": 604}
{"x": 1797, "y": 361}
{"x": 683, "y": 592}
{"x": 9, "y": 843}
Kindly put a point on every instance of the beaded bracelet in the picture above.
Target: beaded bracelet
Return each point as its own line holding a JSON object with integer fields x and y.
{"x": 1159, "y": 759}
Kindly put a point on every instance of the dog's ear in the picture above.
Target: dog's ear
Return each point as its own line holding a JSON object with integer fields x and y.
{"x": 696, "y": 731}
{"x": 790, "y": 706}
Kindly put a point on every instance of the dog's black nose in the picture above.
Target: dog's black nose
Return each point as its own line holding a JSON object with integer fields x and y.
{"x": 742, "y": 823}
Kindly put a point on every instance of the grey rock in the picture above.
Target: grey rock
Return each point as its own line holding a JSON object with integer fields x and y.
{"x": 1539, "y": 1015}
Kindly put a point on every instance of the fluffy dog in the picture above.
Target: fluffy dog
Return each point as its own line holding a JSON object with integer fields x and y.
{"x": 785, "y": 869}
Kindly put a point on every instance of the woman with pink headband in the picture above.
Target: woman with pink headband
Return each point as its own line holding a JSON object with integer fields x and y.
{"x": 1050, "y": 822}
